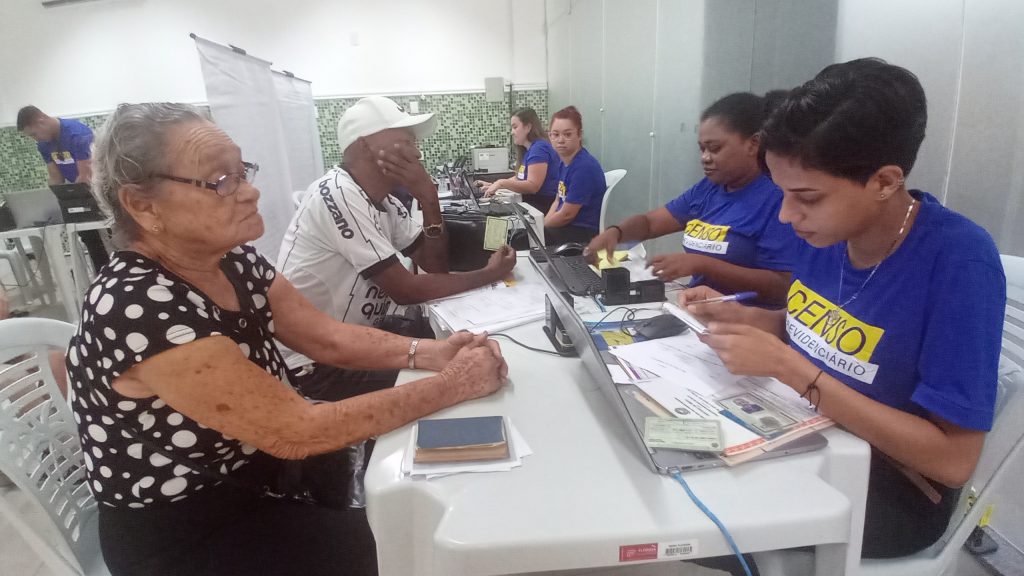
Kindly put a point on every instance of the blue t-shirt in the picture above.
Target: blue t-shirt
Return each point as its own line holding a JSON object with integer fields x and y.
{"x": 740, "y": 227}
{"x": 71, "y": 146}
{"x": 582, "y": 182}
{"x": 541, "y": 152}
{"x": 924, "y": 334}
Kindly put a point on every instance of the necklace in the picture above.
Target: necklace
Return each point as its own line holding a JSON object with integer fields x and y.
{"x": 833, "y": 315}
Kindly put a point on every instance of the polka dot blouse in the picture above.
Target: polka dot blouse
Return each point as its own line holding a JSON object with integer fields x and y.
{"x": 136, "y": 309}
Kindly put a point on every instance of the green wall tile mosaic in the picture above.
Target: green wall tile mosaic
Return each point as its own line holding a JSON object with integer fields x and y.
{"x": 465, "y": 120}
{"x": 21, "y": 166}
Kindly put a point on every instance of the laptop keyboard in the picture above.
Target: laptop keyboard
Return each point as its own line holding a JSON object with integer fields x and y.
{"x": 580, "y": 279}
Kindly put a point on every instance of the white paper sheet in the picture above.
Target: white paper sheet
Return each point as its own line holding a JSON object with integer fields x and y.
{"x": 491, "y": 308}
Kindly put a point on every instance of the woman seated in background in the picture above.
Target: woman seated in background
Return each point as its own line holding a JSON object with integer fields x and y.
{"x": 731, "y": 232}
{"x": 181, "y": 395}
{"x": 537, "y": 163}
{"x": 576, "y": 213}
{"x": 894, "y": 319}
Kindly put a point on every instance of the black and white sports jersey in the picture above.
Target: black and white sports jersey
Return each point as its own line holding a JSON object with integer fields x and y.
{"x": 337, "y": 241}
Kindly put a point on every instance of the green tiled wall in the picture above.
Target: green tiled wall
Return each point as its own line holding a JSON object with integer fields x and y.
{"x": 21, "y": 166}
{"x": 464, "y": 120}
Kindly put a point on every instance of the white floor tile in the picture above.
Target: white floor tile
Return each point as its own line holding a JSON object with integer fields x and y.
{"x": 16, "y": 557}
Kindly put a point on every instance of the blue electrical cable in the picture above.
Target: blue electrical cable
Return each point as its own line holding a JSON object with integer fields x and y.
{"x": 728, "y": 537}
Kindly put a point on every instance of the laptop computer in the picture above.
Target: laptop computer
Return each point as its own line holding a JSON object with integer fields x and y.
{"x": 77, "y": 203}
{"x": 632, "y": 411}
{"x": 574, "y": 271}
{"x": 37, "y": 207}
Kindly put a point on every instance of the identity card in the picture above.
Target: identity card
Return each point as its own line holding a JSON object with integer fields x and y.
{"x": 683, "y": 434}
{"x": 495, "y": 233}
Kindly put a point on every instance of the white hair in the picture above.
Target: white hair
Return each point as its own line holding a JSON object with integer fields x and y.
{"x": 130, "y": 148}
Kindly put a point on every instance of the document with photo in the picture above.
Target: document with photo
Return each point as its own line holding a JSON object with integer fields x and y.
{"x": 692, "y": 382}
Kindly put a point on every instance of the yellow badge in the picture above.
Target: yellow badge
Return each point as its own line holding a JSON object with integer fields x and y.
{"x": 704, "y": 231}
{"x": 848, "y": 335}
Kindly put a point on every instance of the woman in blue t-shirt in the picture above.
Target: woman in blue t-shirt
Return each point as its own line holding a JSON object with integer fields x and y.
{"x": 734, "y": 242}
{"x": 536, "y": 176}
{"x": 893, "y": 322}
{"x": 576, "y": 213}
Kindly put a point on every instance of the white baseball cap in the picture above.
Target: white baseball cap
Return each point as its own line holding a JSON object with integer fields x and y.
{"x": 376, "y": 113}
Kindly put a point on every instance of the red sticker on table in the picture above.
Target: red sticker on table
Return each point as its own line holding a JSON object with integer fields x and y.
{"x": 635, "y": 552}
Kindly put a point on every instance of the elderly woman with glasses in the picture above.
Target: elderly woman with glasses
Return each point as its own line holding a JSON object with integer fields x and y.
{"x": 185, "y": 413}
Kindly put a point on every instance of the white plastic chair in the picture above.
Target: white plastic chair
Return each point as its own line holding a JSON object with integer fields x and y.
{"x": 19, "y": 269}
{"x": 611, "y": 178}
{"x": 40, "y": 451}
{"x": 1003, "y": 445}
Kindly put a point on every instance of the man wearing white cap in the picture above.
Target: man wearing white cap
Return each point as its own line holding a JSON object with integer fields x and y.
{"x": 341, "y": 249}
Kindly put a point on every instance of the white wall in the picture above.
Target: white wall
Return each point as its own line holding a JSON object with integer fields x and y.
{"x": 87, "y": 58}
{"x": 640, "y": 72}
{"x": 967, "y": 54}
{"x": 926, "y": 37}
{"x": 529, "y": 42}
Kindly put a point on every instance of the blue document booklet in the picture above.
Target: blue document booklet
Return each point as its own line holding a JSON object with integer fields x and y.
{"x": 461, "y": 439}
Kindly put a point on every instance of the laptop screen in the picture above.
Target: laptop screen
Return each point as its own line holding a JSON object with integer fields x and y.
{"x": 37, "y": 207}
{"x": 530, "y": 231}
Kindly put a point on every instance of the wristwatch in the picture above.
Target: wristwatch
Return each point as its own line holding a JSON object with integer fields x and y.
{"x": 433, "y": 230}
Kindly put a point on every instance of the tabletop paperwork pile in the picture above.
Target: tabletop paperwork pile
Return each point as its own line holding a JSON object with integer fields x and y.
{"x": 492, "y": 308}
{"x": 687, "y": 380}
{"x": 517, "y": 449}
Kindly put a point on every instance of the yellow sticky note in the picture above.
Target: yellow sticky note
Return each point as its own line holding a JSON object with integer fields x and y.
{"x": 617, "y": 257}
{"x": 986, "y": 517}
{"x": 616, "y": 338}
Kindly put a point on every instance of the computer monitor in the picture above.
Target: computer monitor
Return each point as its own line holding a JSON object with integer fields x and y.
{"x": 77, "y": 203}
{"x": 531, "y": 233}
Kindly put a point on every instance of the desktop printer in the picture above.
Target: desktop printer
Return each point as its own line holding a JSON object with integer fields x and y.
{"x": 490, "y": 160}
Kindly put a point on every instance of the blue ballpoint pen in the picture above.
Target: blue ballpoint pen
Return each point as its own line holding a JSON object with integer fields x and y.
{"x": 738, "y": 297}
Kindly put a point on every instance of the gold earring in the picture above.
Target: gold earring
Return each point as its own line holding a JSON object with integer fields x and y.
{"x": 156, "y": 228}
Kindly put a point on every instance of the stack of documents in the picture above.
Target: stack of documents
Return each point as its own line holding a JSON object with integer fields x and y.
{"x": 517, "y": 449}
{"x": 692, "y": 382}
{"x": 491, "y": 308}
{"x": 460, "y": 439}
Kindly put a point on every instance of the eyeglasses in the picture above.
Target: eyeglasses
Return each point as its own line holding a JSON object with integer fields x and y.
{"x": 224, "y": 186}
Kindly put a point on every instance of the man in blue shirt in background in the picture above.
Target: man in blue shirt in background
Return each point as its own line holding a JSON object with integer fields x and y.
{"x": 65, "y": 146}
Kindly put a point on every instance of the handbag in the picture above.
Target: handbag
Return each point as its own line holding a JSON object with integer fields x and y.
{"x": 323, "y": 479}
{"x": 466, "y": 240}
{"x": 412, "y": 323}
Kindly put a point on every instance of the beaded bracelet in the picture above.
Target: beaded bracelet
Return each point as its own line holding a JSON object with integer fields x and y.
{"x": 812, "y": 393}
